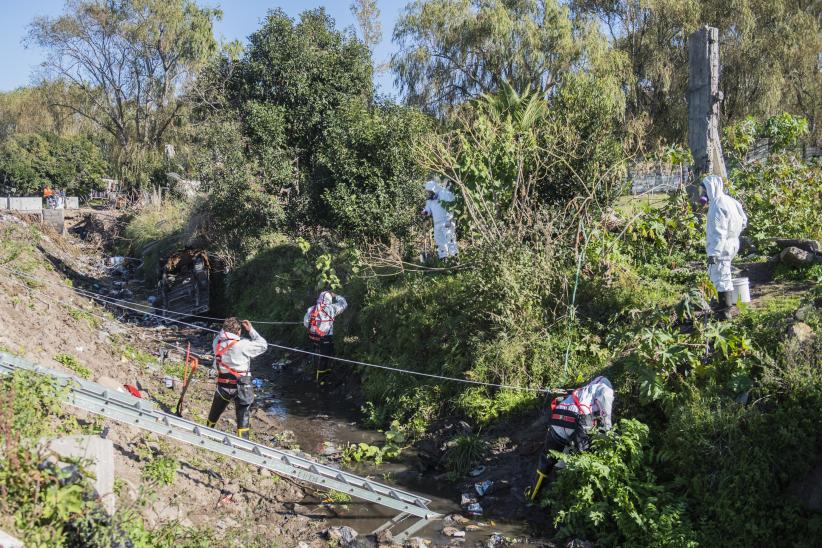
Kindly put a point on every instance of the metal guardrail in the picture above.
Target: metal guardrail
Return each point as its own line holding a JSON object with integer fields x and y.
{"x": 127, "y": 409}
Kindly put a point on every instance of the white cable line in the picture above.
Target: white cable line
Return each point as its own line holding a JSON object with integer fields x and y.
{"x": 308, "y": 352}
{"x": 93, "y": 294}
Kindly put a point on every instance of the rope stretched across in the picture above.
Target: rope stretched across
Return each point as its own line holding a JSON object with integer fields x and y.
{"x": 118, "y": 303}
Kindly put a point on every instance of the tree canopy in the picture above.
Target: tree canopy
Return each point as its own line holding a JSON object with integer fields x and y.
{"x": 768, "y": 55}
{"x": 455, "y": 50}
{"x": 30, "y": 161}
{"x": 126, "y": 61}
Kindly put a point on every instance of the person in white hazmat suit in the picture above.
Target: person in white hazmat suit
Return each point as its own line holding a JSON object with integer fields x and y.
{"x": 725, "y": 222}
{"x": 445, "y": 230}
{"x": 572, "y": 418}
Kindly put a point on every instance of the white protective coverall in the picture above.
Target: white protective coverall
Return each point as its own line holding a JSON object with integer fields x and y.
{"x": 724, "y": 224}
{"x": 238, "y": 357}
{"x": 595, "y": 398}
{"x": 445, "y": 230}
{"x": 327, "y": 312}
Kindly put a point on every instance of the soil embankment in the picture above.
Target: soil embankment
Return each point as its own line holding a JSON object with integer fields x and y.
{"x": 45, "y": 319}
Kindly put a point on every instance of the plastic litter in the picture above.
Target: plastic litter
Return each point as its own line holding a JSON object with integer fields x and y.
{"x": 483, "y": 487}
{"x": 467, "y": 498}
{"x": 258, "y": 383}
{"x": 168, "y": 381}
{"x": 475, "y": 509}
{"x": 476, "y": 471}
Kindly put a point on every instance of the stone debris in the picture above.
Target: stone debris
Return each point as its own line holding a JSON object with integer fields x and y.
{"x": 794, "y": 256}
{"x": 811, "y": 246}
{"x": 100, "y": 453}
{"x": 344, "y": 535}
{"x": 8, "y": 541}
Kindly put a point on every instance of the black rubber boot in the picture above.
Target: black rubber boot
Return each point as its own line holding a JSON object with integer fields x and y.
{"x": 722, "y": 310}
{"x": 218, "y": 405}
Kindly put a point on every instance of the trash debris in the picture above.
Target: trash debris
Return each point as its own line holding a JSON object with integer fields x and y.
{"x": 467, "y": 498}
{"x": 169, "y": 382}
{"x": 475, "y": 509}
{"x": 483, "y": 487}
{"x": 453, "y": 532}
{"x": 258, "y": 383}
{"x": 456, "y": 519}
{"x": 476, "y": 471}
{"x": 115, "y": 261}
{"x": 496, "y": 540}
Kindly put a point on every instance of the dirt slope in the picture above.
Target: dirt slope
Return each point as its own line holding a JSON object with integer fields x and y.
{"x": 45, "y": 321}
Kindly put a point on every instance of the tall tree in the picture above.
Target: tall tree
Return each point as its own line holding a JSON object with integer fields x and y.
{"x": 768, "y": 53}
{"x": 367, "y": 15}
{"x": 126, "y": 61}
{"x": 454, "y": 50}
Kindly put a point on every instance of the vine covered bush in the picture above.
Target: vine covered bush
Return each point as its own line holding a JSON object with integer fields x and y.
{"x": 611, "y": 494}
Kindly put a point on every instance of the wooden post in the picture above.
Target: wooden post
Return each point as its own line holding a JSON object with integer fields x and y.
{"x": 703, "y": 103}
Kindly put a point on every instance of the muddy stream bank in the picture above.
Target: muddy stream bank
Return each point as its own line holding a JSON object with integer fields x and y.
{"x": 297, "y": 410}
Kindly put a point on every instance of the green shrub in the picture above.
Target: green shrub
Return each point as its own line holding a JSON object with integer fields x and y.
{"x": 463, "y": 453}
{"x": 161, "y": 469}
{"x": 611, "y": 495}
{"x": 781, "y": 197}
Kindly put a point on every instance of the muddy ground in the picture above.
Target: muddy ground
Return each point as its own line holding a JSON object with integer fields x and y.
{"x": 243, "y": 505}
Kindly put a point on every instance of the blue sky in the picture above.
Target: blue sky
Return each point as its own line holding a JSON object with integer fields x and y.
{"x": 240, "y": 18}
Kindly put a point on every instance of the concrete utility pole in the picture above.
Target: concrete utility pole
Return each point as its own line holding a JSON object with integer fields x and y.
{"x": 703, "y": 103}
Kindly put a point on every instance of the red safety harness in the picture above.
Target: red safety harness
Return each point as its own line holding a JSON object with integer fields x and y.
{"x": 232, "y": 376}
{"x": 566, "y": 418}
{"x": 315, "y": 330}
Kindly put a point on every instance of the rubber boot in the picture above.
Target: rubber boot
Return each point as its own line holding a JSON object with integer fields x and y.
{"x": 533, "y": 490}
{"x": 243, "y": 433}
{"x": 722, "y": 310}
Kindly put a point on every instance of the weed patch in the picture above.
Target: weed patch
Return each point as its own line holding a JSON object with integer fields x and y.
{"x": 74, "y": 364}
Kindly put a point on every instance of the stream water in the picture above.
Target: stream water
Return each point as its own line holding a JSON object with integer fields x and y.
{"x": 324, "y": 423}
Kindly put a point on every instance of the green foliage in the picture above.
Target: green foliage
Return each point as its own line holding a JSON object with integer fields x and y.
{"x": 338, "y": 497}
{"x": 611, "y": 494}
{"x": 161, "y": 469}
{"x": 395, "y": 440}
{"x": 783, "y": 132}
{"x": 29, "y": 162}
{"x": 30, "y": 400}
{"x": 128, "y": 62}
{"x": 74, "y": 364}
{"x": 82, "y": 315}
{"x": 243, "y": 192}
{"x": 513, "y": 153}
{"x": 452, "y": 51}
{"x": 781, "y": 197}
{"x": 464, "y": 452}
{"x": 369, "y": 178}
{"x": 768, "y": 51}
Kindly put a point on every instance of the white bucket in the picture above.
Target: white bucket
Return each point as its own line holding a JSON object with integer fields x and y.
{"x": 741, "y": 292}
